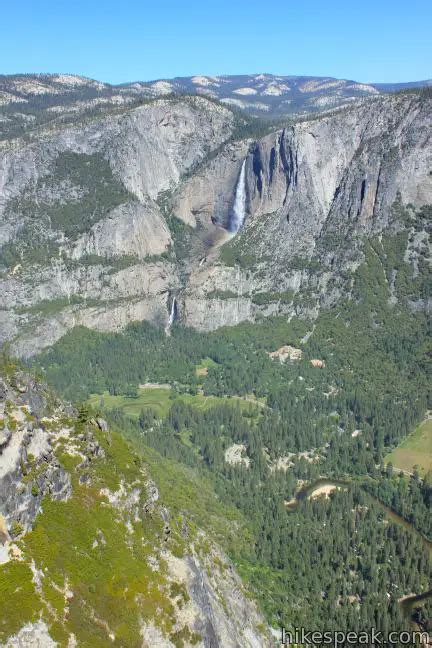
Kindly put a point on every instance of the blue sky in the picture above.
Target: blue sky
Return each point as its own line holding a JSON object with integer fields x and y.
{"x": 138, "y": 40}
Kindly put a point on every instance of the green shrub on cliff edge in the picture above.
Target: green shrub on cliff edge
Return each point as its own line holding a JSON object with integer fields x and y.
{"x": 95, "y": 559}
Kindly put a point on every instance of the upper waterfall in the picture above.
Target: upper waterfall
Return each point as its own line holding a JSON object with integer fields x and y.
{"x": 239, "y": 208}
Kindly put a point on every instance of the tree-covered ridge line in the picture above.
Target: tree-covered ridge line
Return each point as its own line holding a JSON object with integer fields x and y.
{"x": 59, "y": 105}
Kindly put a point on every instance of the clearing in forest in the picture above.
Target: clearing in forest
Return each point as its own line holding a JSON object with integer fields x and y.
{"x": 160, "y": 400}
{"x": 415, "y": 450}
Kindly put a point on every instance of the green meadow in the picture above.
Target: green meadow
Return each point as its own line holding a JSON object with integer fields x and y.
{"x": 160, "y": 400}
{"x": 415, "y": 450}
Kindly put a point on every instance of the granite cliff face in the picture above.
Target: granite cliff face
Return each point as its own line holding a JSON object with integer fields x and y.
{"x": 105, "y": 219}
{"x": 79, "y": 514}
{"x": 26, "y": 445}
{"x": 349, "y": 167}
{"x": 149, "y": 147}
{"x": 83, "y": 236}
{"x": 314, "y": 191}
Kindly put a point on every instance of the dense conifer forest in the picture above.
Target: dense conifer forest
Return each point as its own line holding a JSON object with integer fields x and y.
{"x": 330, "y": 562}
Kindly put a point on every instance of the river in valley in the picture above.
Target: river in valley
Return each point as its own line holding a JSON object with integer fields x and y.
{"x": 325, "y": 487}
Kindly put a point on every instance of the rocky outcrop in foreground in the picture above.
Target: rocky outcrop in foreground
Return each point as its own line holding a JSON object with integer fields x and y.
{"x": 89, "y": 553}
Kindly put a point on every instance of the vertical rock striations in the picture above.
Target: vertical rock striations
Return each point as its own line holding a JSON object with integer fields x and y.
{"x": 173, "y": 216}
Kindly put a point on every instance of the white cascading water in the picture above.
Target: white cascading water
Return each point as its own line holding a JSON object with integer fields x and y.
{"x": 171, "y": 316}
{"x": 239, "y": 208}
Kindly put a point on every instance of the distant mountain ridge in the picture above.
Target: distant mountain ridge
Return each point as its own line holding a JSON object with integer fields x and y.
{"x": 260, "y": 94}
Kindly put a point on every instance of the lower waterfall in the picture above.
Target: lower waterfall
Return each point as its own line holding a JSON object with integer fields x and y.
{"x": 171, "y": 317}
